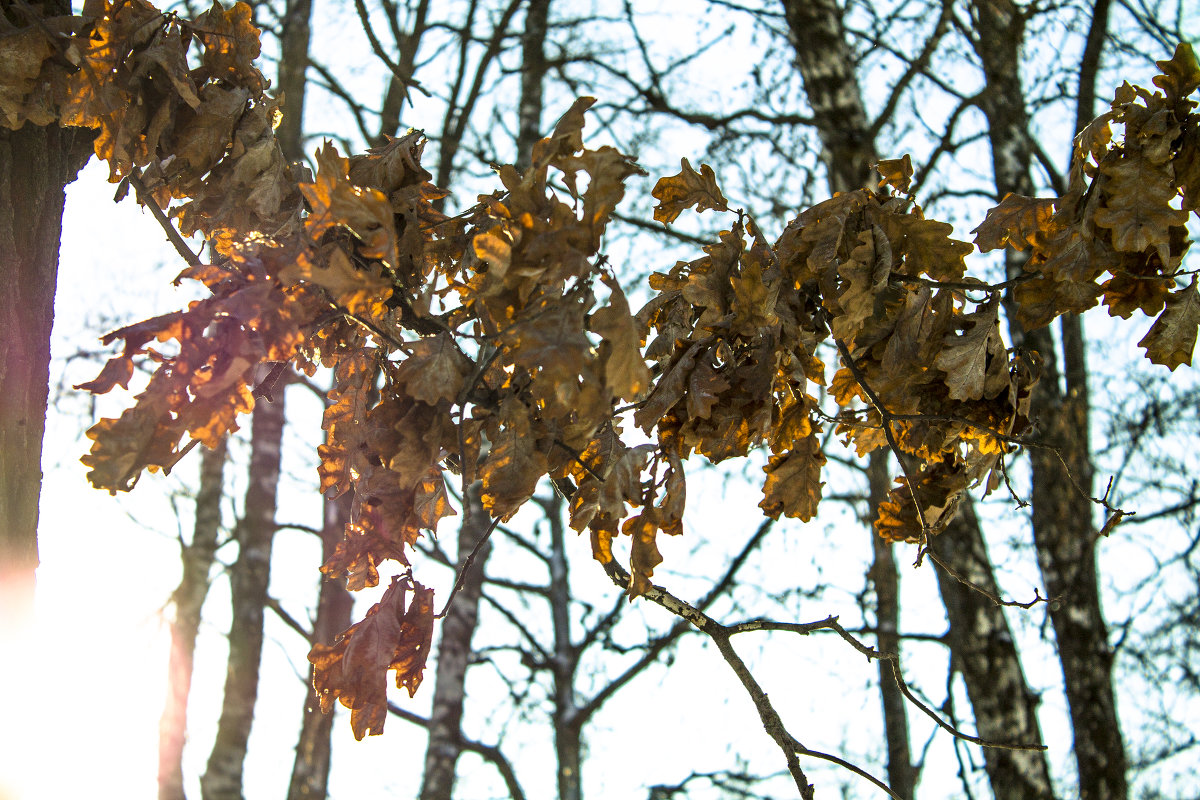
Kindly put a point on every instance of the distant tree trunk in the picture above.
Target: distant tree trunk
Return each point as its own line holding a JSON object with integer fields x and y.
{"x": 249, "y": 577}
{"x": 294, "y": 38}
{"x": 397, "y": 91}
{"x": 454, "y": 656}
{"x": 36, "y": 164}
{"x": 189, "y": 600}
{"x": 533, "y": 76}
{"x": 1063, "y": 531}
{"x": 886, "y": 579}
{"x": 310, "y": 771}
{"x": 986, "y": 654}
{"x": 568, "y": 722}
{"x": 826, "y": 65}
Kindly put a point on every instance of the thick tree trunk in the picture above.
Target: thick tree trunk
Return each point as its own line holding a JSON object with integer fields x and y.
{"x": 826, "y": 64}
{"x": 1063, "y": 530}
{"x": 36, "y": 164}
{"x": 188, "y": 601}
{"x": 310, "y": 771}
{"x": 986, "y": 654}
{"x": 249, "y": 577}
{"x": 454, "y": 656}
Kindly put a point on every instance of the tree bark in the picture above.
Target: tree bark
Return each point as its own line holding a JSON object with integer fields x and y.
{"x": 310, "y": 771}
{"x": 454, "y": 656}
{"x": 294, "y": 38}
{"x": 985, "y": 652}
{"x": 826, "y": 66}
{"x": 189, "y": 600}
{"x": 886, "y": 579}
{"x": 249, "y": 577}
{"x": 36, "y": 164}
{"x": 397, "y": 92}
{"x": 568, "y": 722}
{"x": 1063, "y": 531}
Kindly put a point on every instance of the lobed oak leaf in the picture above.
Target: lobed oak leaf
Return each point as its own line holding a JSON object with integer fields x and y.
{"x": 928, "y": 248}
{"x": 567, "y": 137}
{"x": 117, "y": 372}
{"x": 336, "y": 202}
{"x": 514, "y": 464}
{"x": 1137, "y": 207}
{"x": 644, "y": 555}
{"x": 974, "y": 361}
{"x": 390, "y": 637}
{"x": 1017, "y": 221}
{"x": 434, "y": 371}
{"x": 793, "y": 484}
{"x": 1171, "y": 340}
{"x": 677, "y": 193}
{"x": 230, "y": 45}
{"x": 939, "y": 488}
{"x": 1180, "y": 75}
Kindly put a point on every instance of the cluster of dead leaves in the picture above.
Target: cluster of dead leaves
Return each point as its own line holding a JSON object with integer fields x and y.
{"x": 1117, "y": 236}
{"x": 498, "y": 346}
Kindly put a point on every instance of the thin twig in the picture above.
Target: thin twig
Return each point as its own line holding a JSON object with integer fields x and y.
{"x": 462, "y": 573}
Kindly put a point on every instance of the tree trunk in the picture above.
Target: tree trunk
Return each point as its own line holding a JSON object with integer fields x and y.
{"x": 568, "y": 723}
{"x": 294, "y": 38}
{"x": 249, "y": 577}
{"x": 886, "y": 579}
{"x": 1063, "y": 532}
{"x": 189, "y": 600}
{"x": 397, "y": 91}
{"x": 826, "y": 65}
{"x": 986, "y": 654}
{"x": 36, "y": 164}
{"x": 310, "y": 771}
{"x": 454, "y": 656}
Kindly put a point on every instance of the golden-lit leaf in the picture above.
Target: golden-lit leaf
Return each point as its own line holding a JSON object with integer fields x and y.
{"x": 514, "y": 465}
{"x": 1172, "y": 338}
{"x": 354, "y": 669}
{"x": 896, "y": 172}
{"x": 644, "y": 555}
{"x": 677, "y": 193}
{"x": 1181, "y": 75}
{"x": 230, "y": 44}
{"x": 1017, "y": 221}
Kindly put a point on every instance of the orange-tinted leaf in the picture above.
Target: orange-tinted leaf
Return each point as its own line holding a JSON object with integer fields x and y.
{"x": 644, "y": 555}
{"x": 1181, "y": 75}
{"x": 1016, "y": 221}
{"x": 514, "y": 465}
{"x": 689, "y": 188}
{"x": 354, "y": 669}
{"x": 1172, "y": 338}
{"x": 230, "y": 44}
{"x": 896, "y": 172}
